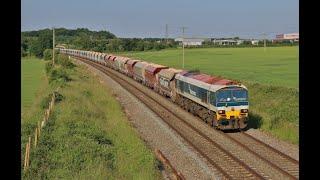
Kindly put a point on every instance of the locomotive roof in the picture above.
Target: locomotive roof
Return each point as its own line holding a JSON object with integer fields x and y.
{"x": 211, "y": 83}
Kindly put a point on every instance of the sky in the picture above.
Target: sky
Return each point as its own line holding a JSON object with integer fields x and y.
{"x": 148, "y": 18}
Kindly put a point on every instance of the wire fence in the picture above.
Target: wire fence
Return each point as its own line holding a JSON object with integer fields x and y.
{"x": 37, "y": 131}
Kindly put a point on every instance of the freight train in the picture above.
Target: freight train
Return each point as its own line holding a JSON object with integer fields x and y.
{"x": 220, "y": 102}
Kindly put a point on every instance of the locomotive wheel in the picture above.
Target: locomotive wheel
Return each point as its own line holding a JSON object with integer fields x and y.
{"x": 213, "y": 121}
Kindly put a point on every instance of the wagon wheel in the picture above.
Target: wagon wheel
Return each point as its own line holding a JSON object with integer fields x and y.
{"x": 155, "y": 88}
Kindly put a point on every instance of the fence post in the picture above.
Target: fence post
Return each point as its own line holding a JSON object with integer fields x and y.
{"x": 48, "y": 113}
{"x": 39, "y": 128}
{"x": 35, "y": 137}
{"x": 45, "y": 116}
{"x": 37, "y": 132}
{"x": 25, "y": 158}
{"x": 53, "y": 98}
{"x": 42, "y": 123}
{"x": 50, "y": 107}
{"x": 28, "y": 154}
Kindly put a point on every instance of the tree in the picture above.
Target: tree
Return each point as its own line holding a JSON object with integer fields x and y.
{"x": 47, "y": 54}
{"x": 44, "y": 41}
{"x": 35, "y": 48}
{"x": 139, "y": 46}
{"x": 148, "y": 45}
{"x": 23, "y": 52}
{"x": 114, "y": 45}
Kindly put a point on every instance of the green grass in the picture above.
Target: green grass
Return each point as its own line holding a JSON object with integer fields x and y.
{"x": 275, "y": 110}
{"x": 88, "y": 137}
{"x": 33, "y": 80}
{"x": 277, "y": 66}
{"x": 271, "y": 77}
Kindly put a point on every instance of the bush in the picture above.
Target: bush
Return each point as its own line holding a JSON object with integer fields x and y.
{"x": 59, "y": 97}
{"x": 49, "y": 67}
{"x": 45, "y": 102}
{"x": 23, "y": 52}
{"x": 47, "y": 54}
{"x": 58, "y": 74}
{"x": 64, "y": 61}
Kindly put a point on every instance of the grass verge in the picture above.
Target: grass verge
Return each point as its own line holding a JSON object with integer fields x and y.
{"x": 274, "y": 110}
{"x": 88, "y": 135}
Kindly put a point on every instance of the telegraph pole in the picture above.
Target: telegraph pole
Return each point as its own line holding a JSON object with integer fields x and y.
{"x": 264, "y": 41}
{"x": 167, "y": 33}
{"x": 53, "y": 44}
{"x": 183, "y": 28}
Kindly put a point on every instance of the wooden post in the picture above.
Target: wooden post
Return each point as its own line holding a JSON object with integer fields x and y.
{"x": 42, "y": 123}
{"x": 28, "y": 148}
{"x": 35, "y": 137}
{"x": 48, "y": 113}
{"x": 52, "y": 101}
{"x": 53, "y": 97}
{"x": 53, "y": 44}
{"x": 28, "y": 154}
{"x": 50, "y": 106}
{"x": 39, "y": 128}
{"x": 25, "y": 158}
{"x": 45, "y": 116}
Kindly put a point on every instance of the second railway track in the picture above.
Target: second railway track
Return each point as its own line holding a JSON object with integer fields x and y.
{"x": 229, "y": 164}
{"x": 267, "y": 153}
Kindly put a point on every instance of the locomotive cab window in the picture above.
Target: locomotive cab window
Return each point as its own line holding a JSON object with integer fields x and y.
{"x": 232, "y": 95}
{"x": 213, "y": 98}
{"x": 240, "y": 95}
{"x": 185, "y": 87}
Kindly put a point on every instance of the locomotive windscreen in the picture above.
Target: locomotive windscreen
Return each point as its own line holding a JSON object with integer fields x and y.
{"x": 232, "y": 95}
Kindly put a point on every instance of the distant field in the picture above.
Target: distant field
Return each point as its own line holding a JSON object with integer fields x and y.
{"x": 277, "y": 66}
{"x": 32, "y": 78}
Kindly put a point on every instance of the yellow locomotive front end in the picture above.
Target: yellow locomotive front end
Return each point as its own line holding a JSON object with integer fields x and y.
{"x": 232, "y": 108}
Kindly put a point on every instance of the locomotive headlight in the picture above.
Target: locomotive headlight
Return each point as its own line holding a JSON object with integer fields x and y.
{"x": 221, "y": 112}
{"x": 244, "y": 110}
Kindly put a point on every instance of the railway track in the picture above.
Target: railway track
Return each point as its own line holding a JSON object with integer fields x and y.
{"x": 267, "y": 153}
{"x": 228, "y": 165}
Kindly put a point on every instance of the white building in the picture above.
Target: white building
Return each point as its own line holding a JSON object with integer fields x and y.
{"x": 290, "y": 36}
{"x": 226, "y": 42}
{"x": 190, "y": 41}
{"x": 254, "y": 42}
